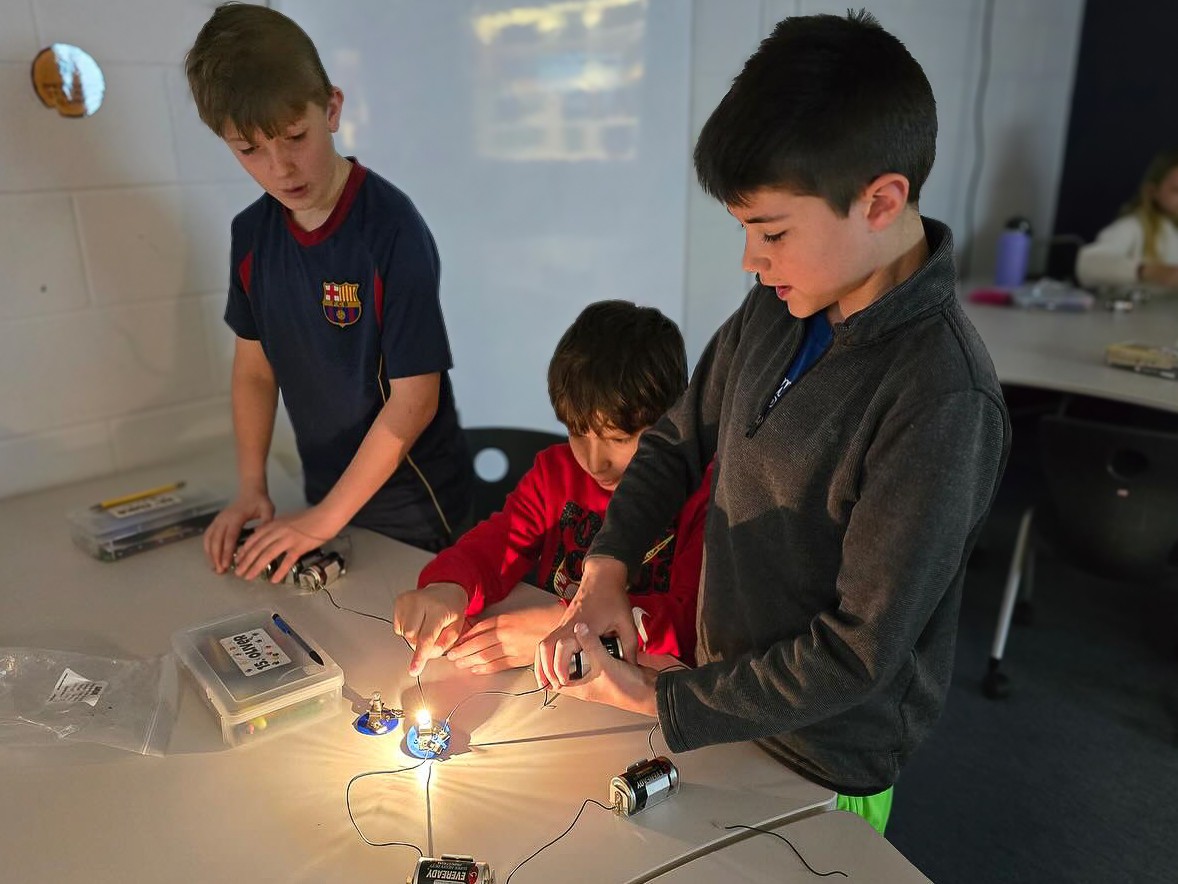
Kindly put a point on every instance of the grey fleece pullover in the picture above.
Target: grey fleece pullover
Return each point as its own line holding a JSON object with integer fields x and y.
{"x": 836, "y": 536}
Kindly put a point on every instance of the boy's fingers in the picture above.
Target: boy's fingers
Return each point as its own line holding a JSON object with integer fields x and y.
{"x": 472, "y": 643}
{"x": 288, "y": 562}
{"x": 212, "y": 545}
{"x": 227, "y": 537}
{"x": 418, "y": 662}
{"x": 447, "y": 637}
{"x": 561, "y": 657}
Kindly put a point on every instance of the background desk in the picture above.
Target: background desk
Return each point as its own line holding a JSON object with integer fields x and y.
{"x": 275, "y": 810}
{"x": 1064, "y": 352}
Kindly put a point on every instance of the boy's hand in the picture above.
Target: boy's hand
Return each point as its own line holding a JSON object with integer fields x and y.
{"x": 613, "y": 682}
{"x": 603, "y": 605}
{"x": 220, "y": 538}
{"x": 285, "y": 538}
{"x": 504, "y": 641}
{"x": 431, "y": 620}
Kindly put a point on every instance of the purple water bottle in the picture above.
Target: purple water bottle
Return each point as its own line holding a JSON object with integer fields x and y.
{"x": 1014, "y": 249}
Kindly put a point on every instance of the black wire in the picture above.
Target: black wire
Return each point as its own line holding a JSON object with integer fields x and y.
{"x": 979, "y": 110}
{"x": 791, "y": 847}
{"x": 331, "y": 598}
{"x": 584, "y": 804}
{"x": 327, "y": 592}
{"x": 650, "y": 739}
{"x": 502, "y": 693}
{"x": 355, "y": 825}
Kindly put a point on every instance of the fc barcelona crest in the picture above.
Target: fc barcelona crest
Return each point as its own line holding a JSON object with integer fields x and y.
{"x": 341, "y": 304}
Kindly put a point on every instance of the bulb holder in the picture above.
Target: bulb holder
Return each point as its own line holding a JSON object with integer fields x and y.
{"x": 373, "y": 724}
{"x": 431, "y": 742}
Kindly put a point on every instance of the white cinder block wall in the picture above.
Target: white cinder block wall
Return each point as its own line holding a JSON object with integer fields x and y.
{"x": 113, "y": 250}
{"x": 114, "y": 229}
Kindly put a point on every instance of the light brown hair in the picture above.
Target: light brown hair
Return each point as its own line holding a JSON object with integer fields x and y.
{"x": 255, "y": 68}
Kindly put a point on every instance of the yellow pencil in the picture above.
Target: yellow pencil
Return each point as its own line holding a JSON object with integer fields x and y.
{"x": 138, "y": 495}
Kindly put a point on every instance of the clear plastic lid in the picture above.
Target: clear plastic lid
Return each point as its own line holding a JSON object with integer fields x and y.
{"x": 255, "y": 662}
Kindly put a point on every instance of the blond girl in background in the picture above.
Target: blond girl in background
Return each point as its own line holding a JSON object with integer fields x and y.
{"x": 1141, "y": 246}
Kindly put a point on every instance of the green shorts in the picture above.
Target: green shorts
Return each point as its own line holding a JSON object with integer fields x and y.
{"x": 874, "y": 808}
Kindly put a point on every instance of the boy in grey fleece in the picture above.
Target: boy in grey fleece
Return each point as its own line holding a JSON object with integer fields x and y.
{"x": 857, "y": 426}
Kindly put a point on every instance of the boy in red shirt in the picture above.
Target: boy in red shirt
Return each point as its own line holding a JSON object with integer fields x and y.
{"x": 615, "y": 371}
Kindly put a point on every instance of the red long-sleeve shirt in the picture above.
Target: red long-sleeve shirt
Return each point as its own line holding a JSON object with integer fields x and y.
{"x": 548, "y": 522}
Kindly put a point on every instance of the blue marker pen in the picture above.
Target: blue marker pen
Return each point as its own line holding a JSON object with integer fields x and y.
{"x": 282, "y": 624}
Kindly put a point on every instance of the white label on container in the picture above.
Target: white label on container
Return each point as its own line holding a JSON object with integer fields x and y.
{"x": 74, "y": 688}
{"x": 254, "y": 651}
{"x": 146, "y": 505}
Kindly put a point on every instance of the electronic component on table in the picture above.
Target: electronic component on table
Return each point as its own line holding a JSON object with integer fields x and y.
{"x": 427, "y": 738}
{"x": 379, "y": 719}
{"x": 643, "y": 784}
{"x": 579, "y": 665}
{"x": 451, "y": 867}
{"x": 313, "y": 571}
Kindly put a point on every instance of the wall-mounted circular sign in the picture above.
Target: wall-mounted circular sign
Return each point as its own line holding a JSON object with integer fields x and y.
{"x": 68, "y": 80}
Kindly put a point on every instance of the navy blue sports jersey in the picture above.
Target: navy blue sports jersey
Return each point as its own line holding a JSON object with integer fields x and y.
{"x": 339, "y": 310}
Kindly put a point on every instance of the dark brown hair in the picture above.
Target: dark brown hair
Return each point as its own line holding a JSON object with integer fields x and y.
{"x": 825, "y": 106}
{"x": 617, "y": 365}
{"x": 255, "y": 68}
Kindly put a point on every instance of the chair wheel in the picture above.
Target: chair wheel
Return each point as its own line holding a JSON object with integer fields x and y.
{"x": 995, "y": 685}
{"x": 1024, "y": 613}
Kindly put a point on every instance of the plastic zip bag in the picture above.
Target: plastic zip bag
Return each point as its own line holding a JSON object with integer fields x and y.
{"x": 50, "y": 696}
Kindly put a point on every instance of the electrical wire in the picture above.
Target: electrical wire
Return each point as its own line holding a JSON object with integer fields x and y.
{"x": 331, "y": 599}
{"x": 813, "y": 871}
{"x": 584, "y": 804}
{"x": 352, "y": 818}
{"x": 501, "y": 693}
{"x": 650, "y": 739}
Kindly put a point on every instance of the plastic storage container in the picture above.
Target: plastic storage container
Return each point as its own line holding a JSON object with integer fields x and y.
{"x": 123, "y": 526}
{"x": 260, "y": 678}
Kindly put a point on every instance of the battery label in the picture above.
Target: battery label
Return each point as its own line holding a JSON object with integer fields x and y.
{"x": 254, "y": 651}
{"x": 431, "y": 870}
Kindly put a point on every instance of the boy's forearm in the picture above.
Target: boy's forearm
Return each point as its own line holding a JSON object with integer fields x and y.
{"x": 409, "y": 410}
{"x": 255, "y": 402}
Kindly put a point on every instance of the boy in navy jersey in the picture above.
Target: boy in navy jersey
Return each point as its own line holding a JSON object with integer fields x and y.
{"x": 616, "y": 370}
{"x": 333, "y": 296}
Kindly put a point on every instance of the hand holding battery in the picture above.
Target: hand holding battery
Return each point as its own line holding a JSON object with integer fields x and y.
{"x": 220, "y": 539}
{"x": 603, "y": 605}
{"x": 611, "y": 681}
{"x": 431, "y": 619}
{"x": 281, "y": 540}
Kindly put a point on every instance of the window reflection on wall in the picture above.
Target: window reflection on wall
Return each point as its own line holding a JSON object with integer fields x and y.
{"x": 559, "y": 81}
{"x": 69, "y": 80}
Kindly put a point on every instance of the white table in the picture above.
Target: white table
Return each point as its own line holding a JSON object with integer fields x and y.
{"x": 1064, "y": 352}
{"x": 275, "y": 810}
{"x": 828, "y": 841}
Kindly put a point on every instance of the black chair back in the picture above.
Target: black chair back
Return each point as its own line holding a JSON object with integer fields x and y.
{"x": 1113, "y": 492}
{"x": 519, "y": 447}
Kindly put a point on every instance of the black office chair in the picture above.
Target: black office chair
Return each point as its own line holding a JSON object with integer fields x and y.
{"x": 1110, "y": 504}
{"x": 519, "y": 447}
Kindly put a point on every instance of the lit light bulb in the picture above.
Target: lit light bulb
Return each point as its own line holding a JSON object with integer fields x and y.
{"x": 424, "y": 722}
